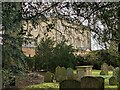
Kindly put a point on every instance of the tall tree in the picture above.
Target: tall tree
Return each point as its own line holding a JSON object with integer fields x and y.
{"x": 11, "y": 25}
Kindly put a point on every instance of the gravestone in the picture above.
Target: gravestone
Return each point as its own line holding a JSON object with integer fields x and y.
{"x": 57, "y": 73}
{"x": 60, "y": 74}
{"x": 70, "y": 85}
{"x": 64, "y": 73}
{"x": 112, "y": 81}
{"x": 110, "y": 68}
{"x": 70, "y": 74}
{"x": 116, "y": 73}
{"x": 104, "y": 69}
{"x": 48, "y": 77}
{"x": 90, "y": 82}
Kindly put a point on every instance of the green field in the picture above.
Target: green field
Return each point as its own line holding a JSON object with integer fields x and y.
{"x": 56, "y": 85}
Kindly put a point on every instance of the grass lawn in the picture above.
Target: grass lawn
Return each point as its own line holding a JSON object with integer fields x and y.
{"x": 55, "y": 86}
{"x": 51, "y": 86}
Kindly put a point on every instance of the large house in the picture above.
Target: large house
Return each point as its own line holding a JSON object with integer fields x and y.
{"x": 58, "y": 30}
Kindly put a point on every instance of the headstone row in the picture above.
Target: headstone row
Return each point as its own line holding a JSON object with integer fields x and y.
{"x": 105, "y": 68}
{"x": 86, "y": 83}
{"x": 61, "y": 74}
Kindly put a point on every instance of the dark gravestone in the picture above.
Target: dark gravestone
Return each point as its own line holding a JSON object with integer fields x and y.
{"x": 70, "y": 85}
{"x": 92, "y": 83}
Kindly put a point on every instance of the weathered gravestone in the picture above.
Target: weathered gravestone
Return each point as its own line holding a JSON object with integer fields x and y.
{"x": 112, "y": 81}
{"x": 64, "y": 73}
{"x": 116, "y": 73}
{"x": 110, "y": 68}
{"x": 90, "y": 82}
{"x": 104, "y": 69}
{"x": 70, "y": 74}
{"x": 70, "y": 85}
{"x": 57, "y": 73}
{"x": 48, "y": 77}
{"x": 60, "y": 74}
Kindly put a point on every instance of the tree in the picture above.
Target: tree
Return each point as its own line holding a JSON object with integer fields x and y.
{"x": 49, "y": 55}
{"x": 44, "y": 54}
{"x": 12, "y": 57}
{"x": 94, "y": 13}
{"x": 118, "y": 13}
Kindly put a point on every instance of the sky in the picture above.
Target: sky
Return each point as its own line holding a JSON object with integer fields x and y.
{"x": 94, "y": 44}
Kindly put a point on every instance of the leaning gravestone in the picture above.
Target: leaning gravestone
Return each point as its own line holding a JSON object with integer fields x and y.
{"x": 48, "y": 77}
{"x": 60, "y": 74}
{"x": 112, "y": 81}
{"x": 70, "y": 74}
{"x": 70, "y": 85}
{"x": 91, "y": 83}
{"x": 116, "y": 73}
{"x": 104, "y": 69}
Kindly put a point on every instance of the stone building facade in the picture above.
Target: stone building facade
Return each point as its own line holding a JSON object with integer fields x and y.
{"x": 57, "y": 30}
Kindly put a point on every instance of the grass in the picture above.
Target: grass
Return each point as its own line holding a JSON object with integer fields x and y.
{"x": 97, "y": 72}
{"x": 106, "y": 77}
{"x": 45, "y": 85}
{"x": 55, "y": 86}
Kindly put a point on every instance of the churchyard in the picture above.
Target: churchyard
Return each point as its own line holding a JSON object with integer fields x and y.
{"x": 106, "y": 78}
{"x": 60, "y": 45}
{"x": 55, "y": 85}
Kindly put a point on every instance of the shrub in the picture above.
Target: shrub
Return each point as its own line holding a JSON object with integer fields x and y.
{"x": 80, "y": 61}
{"x": 30, "y": 63}
{"x": 6, "y": 74}
{"x": 49, "y": 55}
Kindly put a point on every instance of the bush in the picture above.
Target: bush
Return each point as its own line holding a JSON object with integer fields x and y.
{"x": 63, "y": 55}
{"x": 49, "y": 55}
{"x": 80, "y": 61}
{"x": 6, "y": 74}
